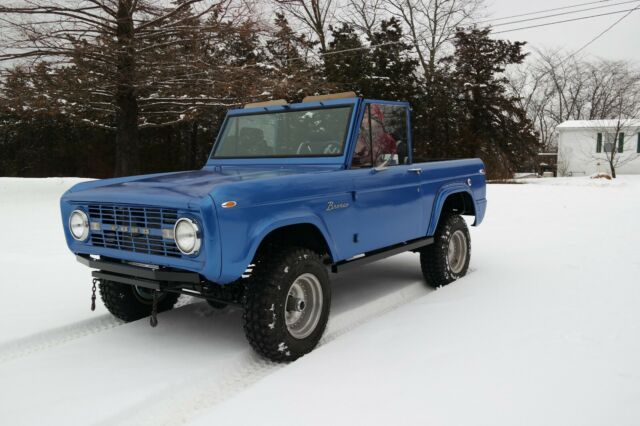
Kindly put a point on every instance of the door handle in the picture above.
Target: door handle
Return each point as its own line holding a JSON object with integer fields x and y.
{"x": 417, "y": 171}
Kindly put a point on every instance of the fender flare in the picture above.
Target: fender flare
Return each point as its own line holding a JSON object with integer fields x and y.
{"x": 313, "y": 220}
{"x": 444, "y": 192}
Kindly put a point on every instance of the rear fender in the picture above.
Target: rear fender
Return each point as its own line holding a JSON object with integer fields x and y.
{"x": 444, "y": 192}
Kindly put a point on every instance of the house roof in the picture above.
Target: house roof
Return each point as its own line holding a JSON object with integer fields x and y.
{"x": 623, "y": 123}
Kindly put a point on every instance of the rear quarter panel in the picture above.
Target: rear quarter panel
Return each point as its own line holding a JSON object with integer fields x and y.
{"x": 443, "y": 178}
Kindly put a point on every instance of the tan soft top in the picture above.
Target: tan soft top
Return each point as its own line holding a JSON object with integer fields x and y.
{"x": 318, "y": 98}
{"x": 341, "y": 95}
{"x": 266, "y": 103}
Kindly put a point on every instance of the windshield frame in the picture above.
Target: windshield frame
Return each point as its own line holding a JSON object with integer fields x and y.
{"x": 350, "y": 103}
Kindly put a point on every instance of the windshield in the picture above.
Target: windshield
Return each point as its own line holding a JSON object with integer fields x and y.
{"x": 308, "y": 133}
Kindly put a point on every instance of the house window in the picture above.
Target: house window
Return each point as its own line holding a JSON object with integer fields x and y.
{"x": 621, "y": 142}
{"x": 609, "y": 142}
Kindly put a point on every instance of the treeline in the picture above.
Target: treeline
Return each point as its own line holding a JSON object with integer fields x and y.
{"x": 126, "y": 87}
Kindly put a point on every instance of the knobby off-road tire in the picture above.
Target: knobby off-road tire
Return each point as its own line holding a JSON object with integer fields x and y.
{"x": 287, "y": 302}
{"x": 447, "y": 259}
{"x": 129, "y": 303}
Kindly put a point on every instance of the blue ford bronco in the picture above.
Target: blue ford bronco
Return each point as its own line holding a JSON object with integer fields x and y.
{"x": 290, "y": 194}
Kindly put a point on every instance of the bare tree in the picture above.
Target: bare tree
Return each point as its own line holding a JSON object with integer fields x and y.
{"x": 432, "y": 24}
{"x": 612, "y": 136}
{"x": 365, "y": 15}
{"x": 529, "y": 84}
{"x": 314, "y": 15}
{"x": 556, "y": 87}
{"x": 119, "y": 58}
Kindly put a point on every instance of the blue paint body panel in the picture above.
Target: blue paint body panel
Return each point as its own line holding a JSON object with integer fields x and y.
{"x": 375, "y": 209}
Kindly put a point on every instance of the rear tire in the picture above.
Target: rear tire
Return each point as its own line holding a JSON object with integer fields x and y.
{"x": 130, "y": 303}
{"x": 447, "y": 259}
{"x": 287, "y": 303}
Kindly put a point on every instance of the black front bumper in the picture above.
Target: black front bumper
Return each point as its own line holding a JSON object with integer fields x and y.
{"x": 155, "y": 279}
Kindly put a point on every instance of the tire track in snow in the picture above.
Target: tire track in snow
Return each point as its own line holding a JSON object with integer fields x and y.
{"x": 52, "y": 338}
{"x": 198, "y": 393}
{"x": 55, "y": 337}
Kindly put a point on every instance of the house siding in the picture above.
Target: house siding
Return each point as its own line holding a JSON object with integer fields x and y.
{"x": 578, "y": 156}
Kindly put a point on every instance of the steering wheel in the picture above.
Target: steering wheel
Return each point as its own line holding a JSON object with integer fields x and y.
{"x": 331, "y": 148}
{"x": 304, "y": 149}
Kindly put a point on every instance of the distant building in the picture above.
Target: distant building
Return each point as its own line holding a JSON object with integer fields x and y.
{"x": 583, "y": 146}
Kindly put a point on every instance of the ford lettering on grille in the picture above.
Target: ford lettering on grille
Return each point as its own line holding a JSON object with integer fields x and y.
{"x": 138, "y": 229}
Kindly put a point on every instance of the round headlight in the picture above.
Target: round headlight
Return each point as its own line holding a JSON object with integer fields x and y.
{"x": 79, "y": 225}
{"x": 187, "y": 236}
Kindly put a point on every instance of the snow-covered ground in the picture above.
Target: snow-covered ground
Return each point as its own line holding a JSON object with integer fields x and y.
{"x": 545, "y": 329}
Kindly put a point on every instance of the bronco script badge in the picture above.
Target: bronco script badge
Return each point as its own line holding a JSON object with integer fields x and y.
{"x": 334, "y": 206}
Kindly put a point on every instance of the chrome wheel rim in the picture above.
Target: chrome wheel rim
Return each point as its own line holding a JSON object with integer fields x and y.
{"x": 457, "y": 252}
{"x": 303, "y": 306}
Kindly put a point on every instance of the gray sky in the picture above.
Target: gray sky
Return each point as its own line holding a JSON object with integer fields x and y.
{"x": 621, "y": 42}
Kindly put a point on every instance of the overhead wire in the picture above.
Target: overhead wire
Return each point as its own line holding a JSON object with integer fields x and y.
{"x": 563, "y": 13}
{"x": 627, "y": 11}
{"x": 374, "y": 46}
{"x": 537, "y": 12}
{"x": 546, "y": 24}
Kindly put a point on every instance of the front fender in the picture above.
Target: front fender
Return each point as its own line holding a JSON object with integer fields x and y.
{"x": 243, "y": 230}
{"x": 441, "y": 197}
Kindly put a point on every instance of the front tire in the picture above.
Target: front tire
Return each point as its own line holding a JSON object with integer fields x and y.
{"x": 287, "y": 303}
{"x": 447, "y": 259}
{"x": 131, "y": 303}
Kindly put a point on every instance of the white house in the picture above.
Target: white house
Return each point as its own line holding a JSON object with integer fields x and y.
{"x": 584, "y": 146}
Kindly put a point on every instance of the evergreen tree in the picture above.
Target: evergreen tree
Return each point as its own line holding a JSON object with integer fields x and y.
{"x": 393, "y": 70}
{"x": 291, "y": 74}
{"x": 385, "y": 70}
{"x": 470, "y": 112}
{"x": 347, "y": 64}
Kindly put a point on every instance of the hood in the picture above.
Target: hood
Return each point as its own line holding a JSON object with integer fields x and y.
{"x": 181, "y": 188}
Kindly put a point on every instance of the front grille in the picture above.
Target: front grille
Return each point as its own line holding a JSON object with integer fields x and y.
{"x": 134, "y": 228}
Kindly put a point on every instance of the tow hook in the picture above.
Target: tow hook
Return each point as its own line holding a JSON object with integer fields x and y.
{"x": 153, "y": 319}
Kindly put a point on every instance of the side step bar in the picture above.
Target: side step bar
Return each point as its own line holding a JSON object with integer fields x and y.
{"x": 380, "y": 254}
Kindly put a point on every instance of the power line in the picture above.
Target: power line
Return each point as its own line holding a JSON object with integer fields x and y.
{"x": 543, "y": 11}
{"x": 606, "y": 30}
{"x": 564, "y": 13}
{"x": 566, "y": 20}
{"x": 373, "y": 46}
{"x": 588, "y": 43}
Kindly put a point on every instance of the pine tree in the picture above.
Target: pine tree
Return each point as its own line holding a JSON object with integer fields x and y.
{"x": 393, "y": 69}
{"x": 346, "y": 63}
{"x": 133, "y": 65}
{"x": 469, "y": 112}
{"x": 291, "y": 74}
{"x": 381, "y": 69}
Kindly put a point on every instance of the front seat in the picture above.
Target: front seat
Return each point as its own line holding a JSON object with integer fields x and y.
{"x": 251, "y": 142}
